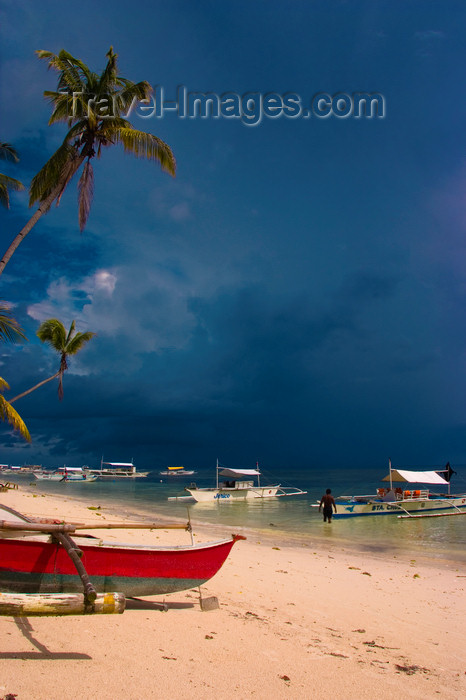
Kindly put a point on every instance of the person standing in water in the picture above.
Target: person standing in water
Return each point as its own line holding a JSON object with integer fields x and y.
{"x": 328, "y": 502}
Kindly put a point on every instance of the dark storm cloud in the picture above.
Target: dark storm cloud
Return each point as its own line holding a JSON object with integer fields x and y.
{"x": 297, "y": 290}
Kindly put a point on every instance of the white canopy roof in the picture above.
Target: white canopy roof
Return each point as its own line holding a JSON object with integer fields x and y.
{"x": 233, "y": 473}
{"x": 415, "y": 477}
{"x": 119, "y": 464}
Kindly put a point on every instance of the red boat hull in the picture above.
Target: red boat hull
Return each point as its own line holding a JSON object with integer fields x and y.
{"x": 44, "y": 567}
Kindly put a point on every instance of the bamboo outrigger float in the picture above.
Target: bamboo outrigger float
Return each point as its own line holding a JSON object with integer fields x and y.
{"x": 43, "y": 604}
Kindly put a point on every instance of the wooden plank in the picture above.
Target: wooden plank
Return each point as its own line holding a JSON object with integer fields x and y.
{"x": 26, "y": 605}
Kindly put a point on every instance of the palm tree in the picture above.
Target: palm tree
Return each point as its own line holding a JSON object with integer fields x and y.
{"x": 53, "y": 332}
{"x": 7, "y": 152}
{"x": 78, "y": 92}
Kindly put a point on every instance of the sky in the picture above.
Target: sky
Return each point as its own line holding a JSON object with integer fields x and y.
{"x": 296, "y": 294}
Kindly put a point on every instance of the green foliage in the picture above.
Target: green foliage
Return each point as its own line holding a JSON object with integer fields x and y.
{"x": 92, "y": 106}
{"x": 53, "y": 332}
{"x": 9, "y": 415}
{"x": 7, "y": 152}
{"x": 10, "y": 330}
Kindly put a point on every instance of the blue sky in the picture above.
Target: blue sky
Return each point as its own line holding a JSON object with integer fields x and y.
{"x": 296, "y": 294}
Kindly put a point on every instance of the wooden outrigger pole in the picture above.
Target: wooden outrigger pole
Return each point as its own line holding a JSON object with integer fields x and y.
{"x": 433, "y": 515}
{"x": 72, "y": 527}
{"x": 42, "y": 604}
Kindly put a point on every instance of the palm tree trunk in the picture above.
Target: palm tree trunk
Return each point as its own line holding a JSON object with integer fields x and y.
{"x": 29, "y": 391}
{"x": 45, "y": 205}
{"x": 43, "y": 209}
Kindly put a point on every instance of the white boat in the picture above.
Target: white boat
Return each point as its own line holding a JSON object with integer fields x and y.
{"x": 116, "y": 470}
{"x": 239, "y": 485}
{"x": 403, "y": 501}
{"x": 177, "y": 471}
{"x": 26, "y": 469}
{"x": 65, "y": 474}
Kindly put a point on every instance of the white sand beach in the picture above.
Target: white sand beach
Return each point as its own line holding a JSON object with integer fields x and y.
{"x": 293, "y": 622}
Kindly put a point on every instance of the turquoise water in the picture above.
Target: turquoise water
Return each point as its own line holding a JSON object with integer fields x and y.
{"x": 282, "y": 520}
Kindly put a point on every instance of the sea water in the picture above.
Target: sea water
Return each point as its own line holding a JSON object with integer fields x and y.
{"x": 294, "y": 520}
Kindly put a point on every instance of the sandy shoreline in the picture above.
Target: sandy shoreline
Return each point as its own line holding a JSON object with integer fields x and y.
{"x": 294, "y": 622}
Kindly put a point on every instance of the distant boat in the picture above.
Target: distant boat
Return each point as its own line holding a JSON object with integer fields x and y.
{"x": 65, "y": 474}
{"x": 25, "y": 469}
{"x": 239, "y": 485}
{"x": 116, "y": 470}
{"x": 177, "y": 471}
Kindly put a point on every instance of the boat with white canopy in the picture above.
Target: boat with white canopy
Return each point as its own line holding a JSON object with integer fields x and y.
{"x": 65, "y": 474}
{"x": 239, "y": 485}
{"x": 406, "y": 501}
{"x": 116, "y": 470}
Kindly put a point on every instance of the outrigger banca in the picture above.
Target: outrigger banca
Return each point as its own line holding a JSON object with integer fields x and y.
{"x": 406, "y": 502}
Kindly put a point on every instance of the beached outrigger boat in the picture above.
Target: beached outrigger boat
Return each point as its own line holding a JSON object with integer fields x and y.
{"x": 239, "y": 485}
{"x": 406, "y": 502}
{"x": 116, "y": 470}
{"x": 34, "y": 560}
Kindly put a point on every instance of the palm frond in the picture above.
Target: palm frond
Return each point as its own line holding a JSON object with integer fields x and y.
{"x": 74, "y": 74}
{"x": 7, "y": 152}
{"x": 112, "y": 124}
{"x": 4, "y": 196}
{"x": 85, "y": 194}
{"x": 70, "y": 332}
{"x": 131, "y": 92}
{"x": 11, "y": 183}
{"x": 70, "y": 77}
{"x": 79, "y": 340}
{"x": 68, "y": 171}
{"x": 7, "y": 184}
{"x": 9, "y": 415}
{"x": 108, "y": 78}
{"x": 50, "y": 175}
{"x": 65, "y": 105}
{"x": 10, "y": 330}
{"x": 144, "y": 145}
{"x": 52, "y": 332}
